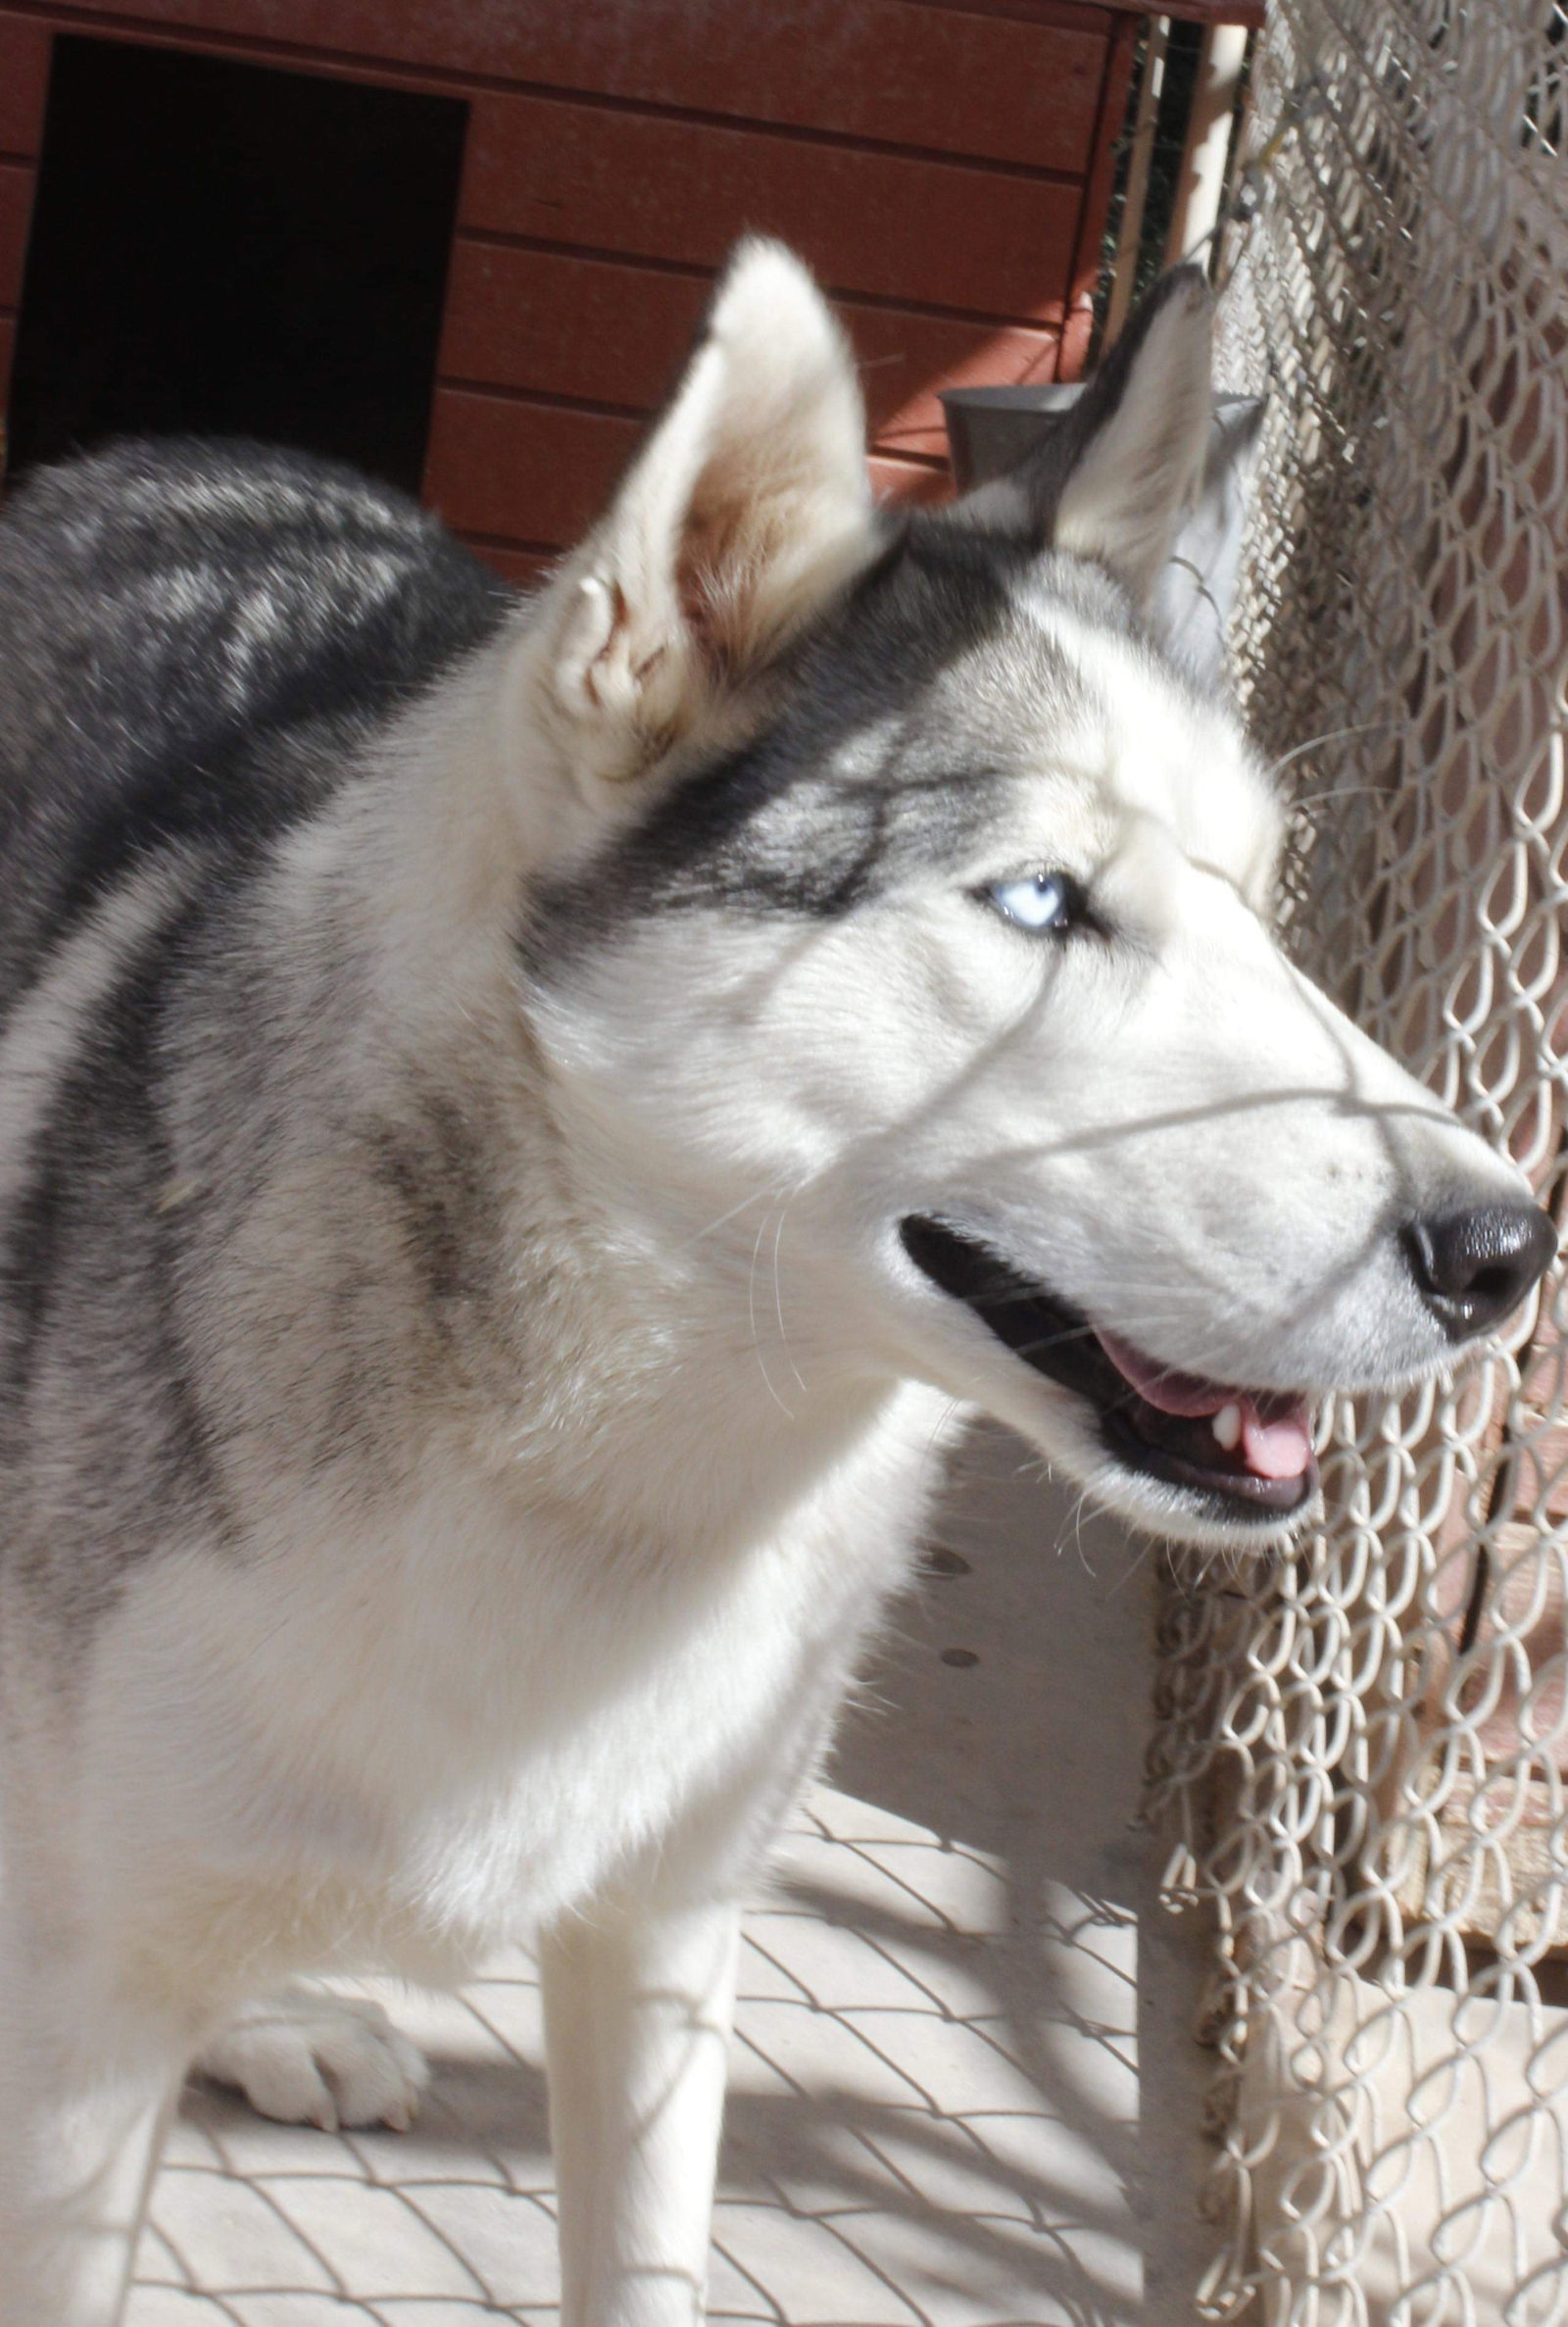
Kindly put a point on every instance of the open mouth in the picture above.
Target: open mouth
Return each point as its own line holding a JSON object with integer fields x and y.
{"x": 1245, "y": 1454}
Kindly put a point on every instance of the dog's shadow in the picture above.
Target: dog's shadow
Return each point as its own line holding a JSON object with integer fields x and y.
{"x": 964, "y": 2090}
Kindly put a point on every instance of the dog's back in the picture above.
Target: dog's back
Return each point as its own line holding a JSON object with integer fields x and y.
{"x": 195, "y": 641}
{"x": 175, "y": 620}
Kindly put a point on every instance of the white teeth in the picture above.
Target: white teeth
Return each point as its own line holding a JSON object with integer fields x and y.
{"x": 1227, "y": 1427}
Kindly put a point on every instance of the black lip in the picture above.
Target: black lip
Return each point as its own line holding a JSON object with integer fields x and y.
{"x": 1058, "y": 1341}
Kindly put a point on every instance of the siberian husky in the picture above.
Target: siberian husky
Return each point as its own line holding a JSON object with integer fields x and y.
{"x": 518, "y": 1123}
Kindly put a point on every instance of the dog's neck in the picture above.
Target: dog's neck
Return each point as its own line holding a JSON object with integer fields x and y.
{"x": 632, "y": 1357}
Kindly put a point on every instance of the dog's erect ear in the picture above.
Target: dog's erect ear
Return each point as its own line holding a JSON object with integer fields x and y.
{"x": 746, "y": 510}
{"x": 1113, "y": 482}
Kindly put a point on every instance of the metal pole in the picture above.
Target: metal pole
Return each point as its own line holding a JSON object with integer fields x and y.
{"x": 1200, "y": 187}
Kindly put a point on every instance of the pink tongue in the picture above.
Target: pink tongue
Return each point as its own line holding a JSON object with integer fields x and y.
{"x": 1172, "y": 1393}
{"x": 1280, "y": 1444}
{"x": 1276, "y": 1440}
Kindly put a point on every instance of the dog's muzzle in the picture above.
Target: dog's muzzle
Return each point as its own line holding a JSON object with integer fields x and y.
{"x": 1242, "y": 1456}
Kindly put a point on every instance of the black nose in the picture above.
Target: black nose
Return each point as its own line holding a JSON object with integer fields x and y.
{"x": 1474, "y": 1267}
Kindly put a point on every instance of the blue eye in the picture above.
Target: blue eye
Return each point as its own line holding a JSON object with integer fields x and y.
{"x": 1043, "y": 903}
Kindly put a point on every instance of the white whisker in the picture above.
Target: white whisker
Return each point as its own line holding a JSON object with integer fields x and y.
{"x": 757, "y": 1338}
{"x": 1330, "y": 735}
{"x": 779, "y": 1293}
{"x": 757, "y": 1196}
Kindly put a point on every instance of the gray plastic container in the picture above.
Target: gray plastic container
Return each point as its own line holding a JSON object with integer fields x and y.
{"x": 989, "y": 428}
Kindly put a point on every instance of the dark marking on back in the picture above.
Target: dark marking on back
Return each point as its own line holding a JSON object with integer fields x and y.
{"x": 90, "y": 1218}
{"x": 430, "y": 1168}
{"x": 170, "y": 615}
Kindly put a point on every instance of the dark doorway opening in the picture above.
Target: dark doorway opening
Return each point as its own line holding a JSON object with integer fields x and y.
{"x": 235, "y": 251}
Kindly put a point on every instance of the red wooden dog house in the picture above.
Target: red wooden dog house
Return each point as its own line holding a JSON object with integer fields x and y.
{"x": 466, "y": 241}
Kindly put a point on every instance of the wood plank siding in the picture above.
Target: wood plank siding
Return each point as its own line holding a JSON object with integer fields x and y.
{"x": 944, "y": 168}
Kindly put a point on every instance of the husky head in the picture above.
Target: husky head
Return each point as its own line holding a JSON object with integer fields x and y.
{"x": 902, "y": 945}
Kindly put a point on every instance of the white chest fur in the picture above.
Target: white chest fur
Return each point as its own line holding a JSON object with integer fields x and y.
{"x": 464, "y": 1725}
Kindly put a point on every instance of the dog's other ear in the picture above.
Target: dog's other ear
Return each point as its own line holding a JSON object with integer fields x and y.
{"x": 1113, "y": 481}
{"x": 746, "y": 510}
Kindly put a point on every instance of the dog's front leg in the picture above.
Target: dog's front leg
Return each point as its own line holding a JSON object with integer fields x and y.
{"x": 83, "y": 2111}
{"x": 637, "y": 2015}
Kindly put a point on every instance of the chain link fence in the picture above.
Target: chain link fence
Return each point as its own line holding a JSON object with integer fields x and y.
{"x": 1363, "y": 1749}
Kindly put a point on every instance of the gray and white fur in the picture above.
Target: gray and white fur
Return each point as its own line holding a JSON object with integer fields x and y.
{"x": 520, "y": 1127}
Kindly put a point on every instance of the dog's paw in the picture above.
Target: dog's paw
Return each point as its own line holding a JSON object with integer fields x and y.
{"x": 311, "y": 2057}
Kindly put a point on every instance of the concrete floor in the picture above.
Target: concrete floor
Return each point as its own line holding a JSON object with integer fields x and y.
{"x": 964, "y": 2092}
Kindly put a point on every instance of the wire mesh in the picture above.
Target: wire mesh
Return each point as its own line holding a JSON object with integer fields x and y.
{"x": 1365, "y": 1746}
